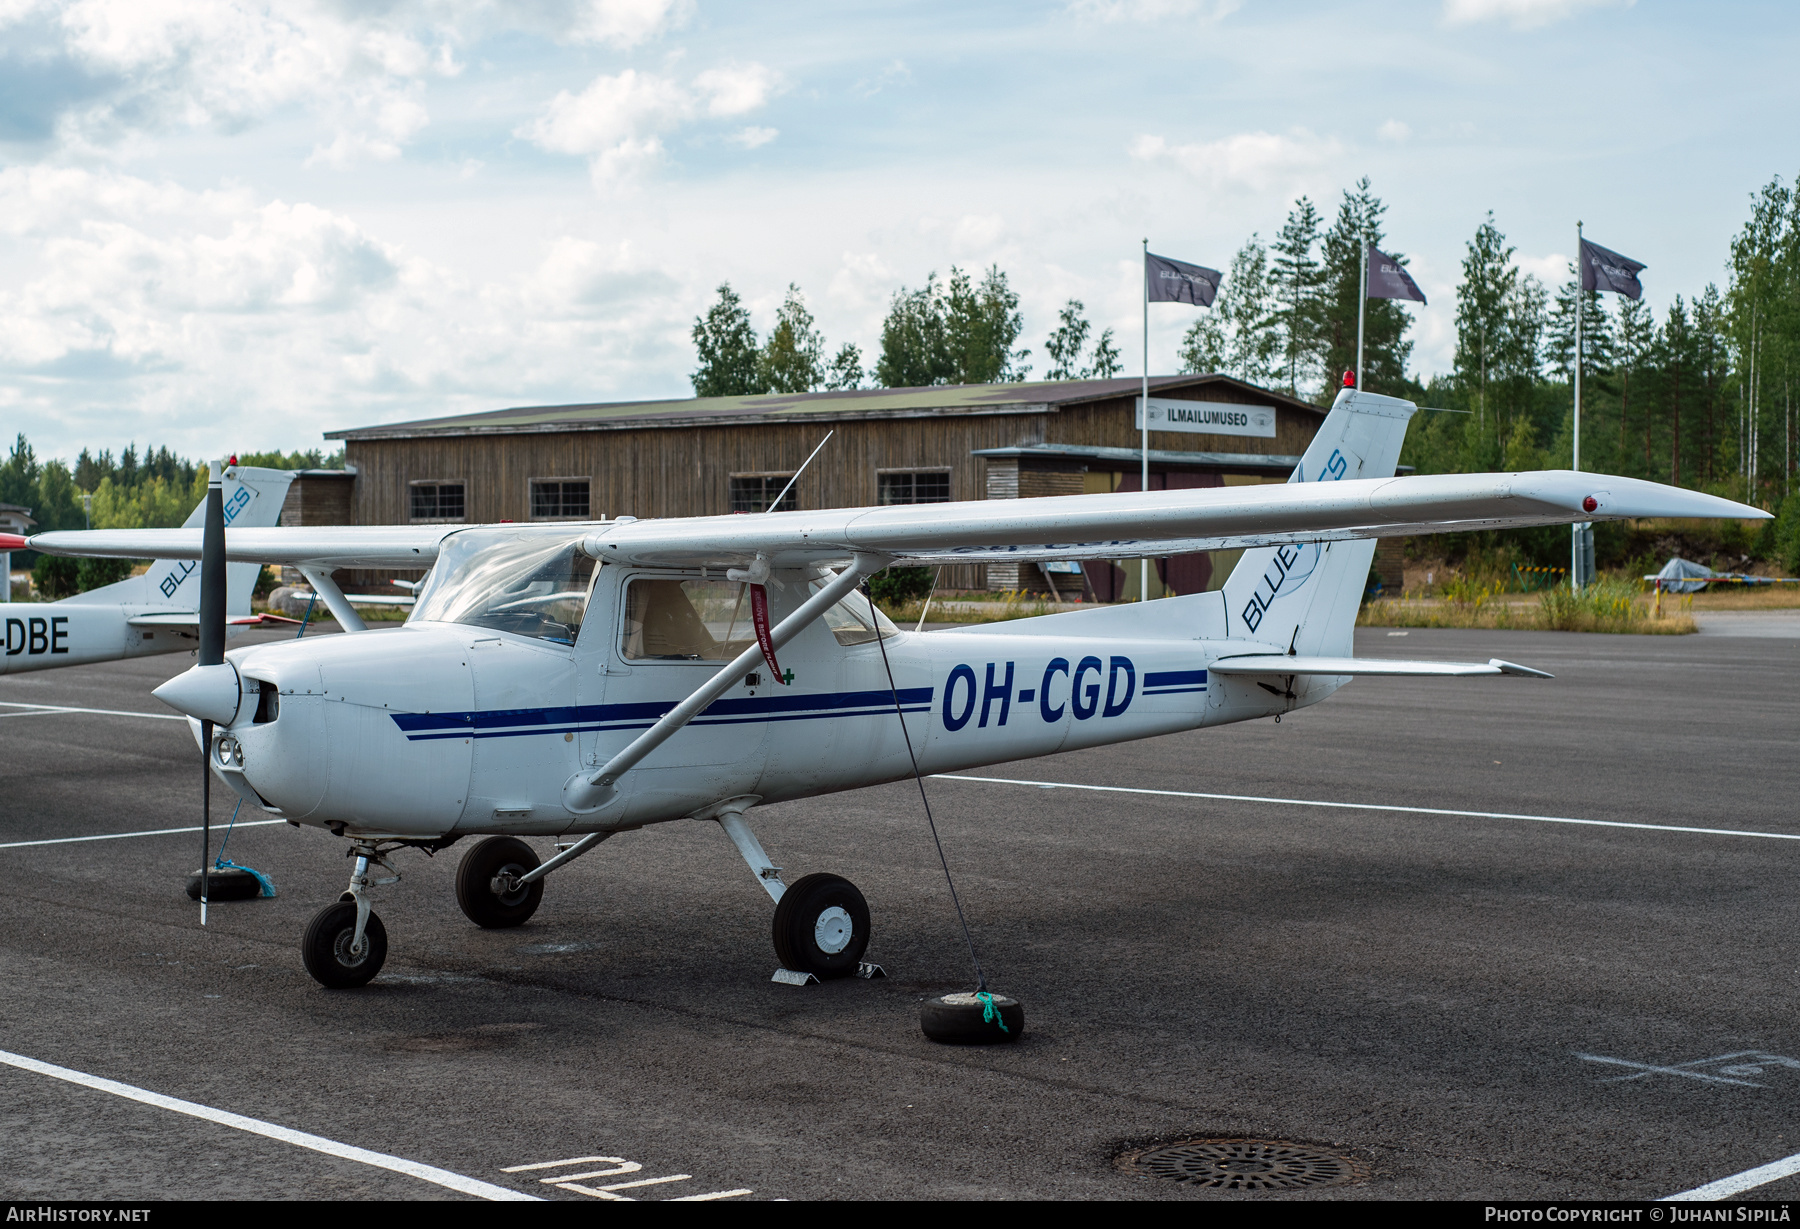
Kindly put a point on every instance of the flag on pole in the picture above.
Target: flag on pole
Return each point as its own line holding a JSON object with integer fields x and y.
{"x": 1172, "y": 281}
{"x": 1388, "y": 279}
{"x": 1605, "y": 270}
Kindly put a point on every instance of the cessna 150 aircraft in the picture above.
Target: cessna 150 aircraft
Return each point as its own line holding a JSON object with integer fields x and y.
{"x": 156, "y": 612}
{"x": 578, "y": 681}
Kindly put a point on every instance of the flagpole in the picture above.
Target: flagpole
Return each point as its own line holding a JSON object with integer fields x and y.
{"x": 1362, "y": 308}
{"x": 1144, "y": 409}
{"x": 1574, "y": 533}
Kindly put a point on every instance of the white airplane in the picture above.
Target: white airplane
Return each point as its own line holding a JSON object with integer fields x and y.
{"x": 578, "y": 681}
{"x": 157, "y": 612}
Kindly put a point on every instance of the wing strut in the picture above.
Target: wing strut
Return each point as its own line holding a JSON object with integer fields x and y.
{"x": 587, "y": 792}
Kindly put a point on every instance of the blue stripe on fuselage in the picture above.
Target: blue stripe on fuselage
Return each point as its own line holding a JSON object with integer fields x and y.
{"x": 508, "y": 723}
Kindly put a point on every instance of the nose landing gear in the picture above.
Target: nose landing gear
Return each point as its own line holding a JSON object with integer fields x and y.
{"x": 345, "y": 944}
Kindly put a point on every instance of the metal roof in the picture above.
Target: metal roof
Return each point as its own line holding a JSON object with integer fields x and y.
{"x": 1024, "y": 398}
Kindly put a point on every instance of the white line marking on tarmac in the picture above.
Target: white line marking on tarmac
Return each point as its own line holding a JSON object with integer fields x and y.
{"x": 41, "y": 709}
{"x": 1373, "y": 806}
{"x": 573, "y": 1182}
{"x": 1640, "y": 1070}
{"x": 268, "y": 1130}
{"x": 1736, "y": 1184}
{"x": 119, "y": 836}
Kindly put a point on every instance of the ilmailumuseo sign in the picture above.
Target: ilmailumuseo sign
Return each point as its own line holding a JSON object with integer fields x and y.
{"x": 1208, "y": 417}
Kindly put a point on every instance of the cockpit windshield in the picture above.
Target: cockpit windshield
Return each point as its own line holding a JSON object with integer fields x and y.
{"x": 529, "y": 586}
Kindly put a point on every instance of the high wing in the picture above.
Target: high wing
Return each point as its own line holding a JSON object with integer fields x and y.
{"x": 1115, "y": 526}
{"x": 1278, "y": 663}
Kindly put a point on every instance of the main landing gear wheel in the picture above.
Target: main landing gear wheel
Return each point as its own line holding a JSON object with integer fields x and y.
{"x": 329, "y": 952}
{"x": 479, "y": 886}
{"x": 821, "y": 927}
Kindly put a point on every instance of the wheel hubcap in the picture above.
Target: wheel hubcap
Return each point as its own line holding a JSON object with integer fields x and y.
{"x": 509, "y": 874}
{"x": 833, "y": 930}
{"x": 345, "y": 951}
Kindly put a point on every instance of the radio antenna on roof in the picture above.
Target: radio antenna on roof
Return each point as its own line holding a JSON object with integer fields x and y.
{"x": 801, "y": 470}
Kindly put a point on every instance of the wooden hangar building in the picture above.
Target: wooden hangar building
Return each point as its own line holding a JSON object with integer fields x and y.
{"x": 709, "y": 455}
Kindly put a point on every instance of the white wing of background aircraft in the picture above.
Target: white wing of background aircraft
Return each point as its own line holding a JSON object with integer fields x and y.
{"x": 157, "y": 612}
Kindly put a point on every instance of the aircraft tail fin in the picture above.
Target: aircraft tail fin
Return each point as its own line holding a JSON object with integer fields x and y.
{"x": 253, "y": 499}
{"x": 1305, "y": 597}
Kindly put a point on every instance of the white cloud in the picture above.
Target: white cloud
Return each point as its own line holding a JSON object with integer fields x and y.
{"x": 1395, "y": 131}
{"x": 1522, "y": 14}
{"x": 1253, "y": 161}
{"x": 1154, "y": 10}
{"x": 618, "y": 122}
{"x": 626, "y": 23}
{"x": 610, "y": 113}
{"x": 1552, "y": 270}
{"x": 226, "y": 63}
{"x": 738, "y": 89}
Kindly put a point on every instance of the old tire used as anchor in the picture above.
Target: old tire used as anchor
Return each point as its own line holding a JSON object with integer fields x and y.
{"x": 821, "y": 927}
{"x": 972, "y": 1019}
{"x": 225, "y": 883}
{"x": 479, "y": 884}
{"x": 326, "y": 947}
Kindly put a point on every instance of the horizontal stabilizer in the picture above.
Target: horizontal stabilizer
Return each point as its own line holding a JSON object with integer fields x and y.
{"x": 1277, "y": 663}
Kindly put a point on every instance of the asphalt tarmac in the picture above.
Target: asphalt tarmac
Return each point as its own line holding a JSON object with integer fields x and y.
{"x": 1468, "y": 1006}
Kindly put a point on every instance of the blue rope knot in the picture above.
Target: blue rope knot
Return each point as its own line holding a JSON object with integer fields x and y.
{"x": 223, "y": 863}
{"x": 990, "y": 1014}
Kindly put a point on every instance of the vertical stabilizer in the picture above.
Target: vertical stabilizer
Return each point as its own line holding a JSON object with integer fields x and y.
{"x": 253, "y": 499}
{"x": 1306, "y": 596}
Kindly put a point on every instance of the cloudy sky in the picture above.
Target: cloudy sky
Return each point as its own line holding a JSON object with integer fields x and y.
{"x": 229, "y": 224}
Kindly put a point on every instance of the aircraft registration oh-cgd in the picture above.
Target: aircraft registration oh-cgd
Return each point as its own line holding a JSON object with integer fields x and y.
{"x": 156, "y": 612}
{"x": 578, "y": 681}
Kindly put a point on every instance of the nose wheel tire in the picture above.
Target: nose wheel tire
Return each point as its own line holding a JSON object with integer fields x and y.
{"x": 480, "y": 880}
{"x": 329, "y": 952}
{"x": 821, "y": 927}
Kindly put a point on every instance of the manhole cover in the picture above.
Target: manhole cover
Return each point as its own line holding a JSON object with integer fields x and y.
{"x": 1241, "y": 1164}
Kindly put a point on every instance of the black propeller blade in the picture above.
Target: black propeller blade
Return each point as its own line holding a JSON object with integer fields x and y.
{"x": 212, "y": 651}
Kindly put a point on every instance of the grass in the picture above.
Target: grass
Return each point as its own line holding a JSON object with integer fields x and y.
{"x": 973, "y": 608}
{"x": 1612, "y": 606}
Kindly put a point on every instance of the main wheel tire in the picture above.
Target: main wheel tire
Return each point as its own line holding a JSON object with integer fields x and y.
{"x": 226, "y": 883}
{"x": 475, "y": 883}
{"x": 821, "y": 927}
{"x": 964, "y": 1019}
{"x": 326, "y": 947}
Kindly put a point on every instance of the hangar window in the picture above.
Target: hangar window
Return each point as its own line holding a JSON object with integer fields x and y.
{"x": 433, "y": 500}
{"x": 928, "y": 486}
{"x": 755, "y": 492}
{"x": 559, "y": 499}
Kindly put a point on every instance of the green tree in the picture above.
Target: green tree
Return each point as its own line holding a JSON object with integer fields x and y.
{"x": 915, "y": 349}
{"x": 1385, "y": 321}
{"x": 793, "y": 357}
{"x": 1297, "y": 294}
{"x": 981, "y": 324}
{"x": 730, "y": 360}
{"x": 846, "y": 369}
{"x": 1237, "y": 335}
{"x": 1066, "y": 344}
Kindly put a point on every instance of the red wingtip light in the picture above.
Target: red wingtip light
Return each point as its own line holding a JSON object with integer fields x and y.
{"x": 1590, "y": 504}
{"x": 1349, "y": 378}
{"x": 11, "y": 542}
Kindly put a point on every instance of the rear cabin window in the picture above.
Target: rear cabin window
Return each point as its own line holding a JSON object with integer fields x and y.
{"x": 709, "y": 620}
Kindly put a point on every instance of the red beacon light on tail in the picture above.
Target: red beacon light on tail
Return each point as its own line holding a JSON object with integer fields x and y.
{"x": 1349, "y": 378}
